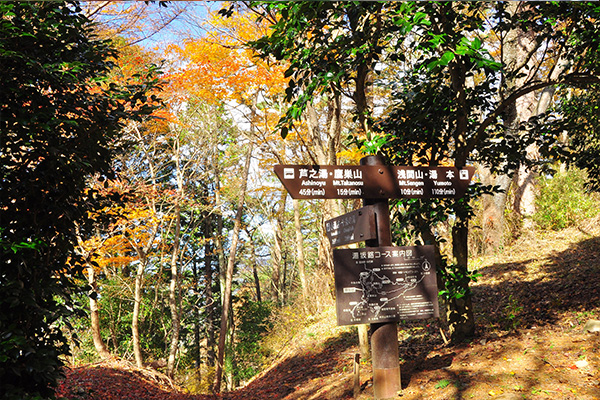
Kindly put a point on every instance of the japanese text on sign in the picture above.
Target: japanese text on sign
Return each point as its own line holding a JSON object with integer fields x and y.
{"x": 383, "y": 284}
{"x": 367, "y": 181}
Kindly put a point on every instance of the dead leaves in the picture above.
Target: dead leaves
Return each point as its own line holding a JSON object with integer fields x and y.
{"x": 116, "y": 383}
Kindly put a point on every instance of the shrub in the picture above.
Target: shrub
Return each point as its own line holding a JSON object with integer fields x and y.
{"x": 253, "y": 323}
{"x": 563, "y": 201}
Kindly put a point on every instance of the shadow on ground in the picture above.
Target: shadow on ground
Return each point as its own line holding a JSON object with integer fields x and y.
{"x": 530, "y": 311}
{"x": 295, "y": 373}
{"x": 539, "y": 291}
{"x": 529, "y": 315}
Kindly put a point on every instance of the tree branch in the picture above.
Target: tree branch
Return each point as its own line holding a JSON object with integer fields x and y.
{"x": 569, "y": 79}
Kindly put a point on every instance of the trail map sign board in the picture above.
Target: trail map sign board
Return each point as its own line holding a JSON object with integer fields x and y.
{"x": 373, "y": 182}
{"x": 385, "y": 284}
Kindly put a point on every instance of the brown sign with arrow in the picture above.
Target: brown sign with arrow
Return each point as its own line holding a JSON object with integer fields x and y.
{"x": 373, "y": 182}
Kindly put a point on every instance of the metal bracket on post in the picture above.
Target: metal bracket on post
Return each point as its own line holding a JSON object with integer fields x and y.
{"x": 384, "y": 336}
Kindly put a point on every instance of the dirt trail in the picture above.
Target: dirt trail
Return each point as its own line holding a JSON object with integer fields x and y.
{"x": 531, "y": 302}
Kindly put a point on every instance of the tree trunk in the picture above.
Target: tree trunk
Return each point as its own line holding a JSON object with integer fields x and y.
{"x": 99, "y": 344}
{"x": 256, "y": 283}
{"x": 300, "y": 250}
{"x": 135, "y": 319}
{"x": 210, "y": 304}
{"x": 196, "y": 317}
{"x": 173, "y": 295}
{"x": 229, "y": 275}
{"x": 277, "y": 256}
{"x": 219, "y": 233}
{"x": 326, "y": 152}
{"x": 525, "y": 179}
{"x": 459, "y": 311}
{"x": 254, "y": 269}
{"x": 492, "y": 216}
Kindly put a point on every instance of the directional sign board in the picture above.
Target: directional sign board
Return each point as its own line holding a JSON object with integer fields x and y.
{"x": 373, "y": 182}
{"x": 385, "y": 284}
{"x": 355, "y": 226}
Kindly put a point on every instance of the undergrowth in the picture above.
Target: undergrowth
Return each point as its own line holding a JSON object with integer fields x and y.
{"x": 563, "y": 200}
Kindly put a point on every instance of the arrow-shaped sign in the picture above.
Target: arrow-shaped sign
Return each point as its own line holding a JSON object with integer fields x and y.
{"x": 373, "y": 182}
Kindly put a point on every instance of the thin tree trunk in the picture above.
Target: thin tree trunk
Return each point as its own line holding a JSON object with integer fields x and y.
{"x": 99, "y": 344}
{"x": 326, "y": 152}
{"x": 459, "y": 311}
{"x": 300, "y": 250}
{"x": 135, "y": 326}
{"x": 219, "y": 233}
{"x": 210, "y": 307}
{"x": 254, "y": 269}
{"x": 229, "y": 275}
{"x": 173, "y": 294}
{"x": 256, "y": 283}
{"x": 196, "y": 316}
{"x": 276, "y": 260}
{"x": 278, "y": 267}
{"x": 142, "y": 253}
{"x": 174, "y": 286}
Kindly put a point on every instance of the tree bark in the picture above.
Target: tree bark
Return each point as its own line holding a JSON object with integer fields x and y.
{"x": 459, "y": 311}
{"x": 254, "y": 269}
{"x": 459, "y": 315}
{"x": 219, "y": 233}
{"x": 210, "y": 306}
{"x": 135, "y": 325}
{"x": 277, "y": 276}
{"x": 300, "y": 250}
{"x": 225, "y": 314}
{"x": 327, "y": 145}
{"x": 174, "y": 304}
{"x": 197, "y": 356}
{"x": 99, "y": 344}
{"x": 517, "y": 50}
{"x": 493, "y": 222}
{"x": 526, "y": 178}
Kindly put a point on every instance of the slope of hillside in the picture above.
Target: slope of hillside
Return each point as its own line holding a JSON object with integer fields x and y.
{"x": 531, "y": 302}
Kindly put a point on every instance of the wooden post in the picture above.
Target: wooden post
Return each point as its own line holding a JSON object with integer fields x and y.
{"x": 384, "y": 336}
{"x": 356, "y": 391}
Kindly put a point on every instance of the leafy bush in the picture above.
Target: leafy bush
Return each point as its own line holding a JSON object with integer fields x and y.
{"x": 563, "y": 201}
{"x": 57, "y": 128}
{"x": 253, "y": 323}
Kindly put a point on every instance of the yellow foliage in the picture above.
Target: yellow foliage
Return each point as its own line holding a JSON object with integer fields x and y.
{"x": 218, "y": 67}
{"x": 350, "y": 156}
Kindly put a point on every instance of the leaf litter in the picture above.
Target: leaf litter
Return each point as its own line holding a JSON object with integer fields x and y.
{"x": 531, "y": 304}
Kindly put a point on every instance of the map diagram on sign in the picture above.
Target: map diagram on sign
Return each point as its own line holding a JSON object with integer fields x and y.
{"x": 382, "y": 284}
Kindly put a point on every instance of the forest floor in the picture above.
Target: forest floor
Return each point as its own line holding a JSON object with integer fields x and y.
{"x": 531, "y": 304}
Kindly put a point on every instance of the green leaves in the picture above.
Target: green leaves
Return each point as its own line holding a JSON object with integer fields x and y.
{"x": 326, "y": 44}
{"x": 442, "y": 384}
{"x": 55, "y": 132}
{"x": 443, "y": 61}
{"x": 472, "y": 50}
{"x": 374, "y": 145}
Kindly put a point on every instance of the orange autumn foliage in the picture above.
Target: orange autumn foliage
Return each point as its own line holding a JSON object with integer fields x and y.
{"x": 218, "y": 67}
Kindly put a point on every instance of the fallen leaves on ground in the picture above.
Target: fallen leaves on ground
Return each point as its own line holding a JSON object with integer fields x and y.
{"x": 107, "y": 381}
{"x": 531, "y": 304}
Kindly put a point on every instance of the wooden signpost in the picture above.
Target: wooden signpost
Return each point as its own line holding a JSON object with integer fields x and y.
{"x": 379, "y": 284}
{"x": 373, "y": 181}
